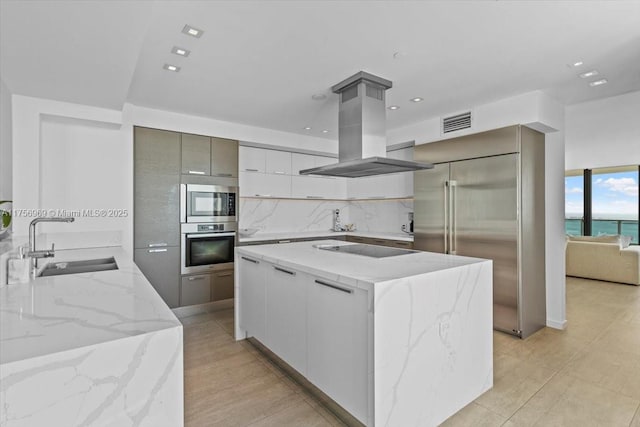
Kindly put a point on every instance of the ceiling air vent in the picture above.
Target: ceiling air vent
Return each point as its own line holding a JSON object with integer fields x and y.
{"x": 457, "y": 122}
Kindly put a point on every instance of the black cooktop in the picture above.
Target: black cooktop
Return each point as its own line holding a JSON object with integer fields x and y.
{"x": 372, "y": 251}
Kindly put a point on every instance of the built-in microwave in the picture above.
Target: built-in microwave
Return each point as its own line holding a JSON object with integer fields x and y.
{"x": 207, "y": 203}
{"x": 207, "y": 247}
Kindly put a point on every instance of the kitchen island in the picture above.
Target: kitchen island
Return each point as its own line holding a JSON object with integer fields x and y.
{"x": 98, "y": 348}
{"x": 403, "y": 339}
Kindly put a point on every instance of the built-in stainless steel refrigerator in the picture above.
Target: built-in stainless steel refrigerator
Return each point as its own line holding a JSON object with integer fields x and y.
{"x": 485, "y": 198}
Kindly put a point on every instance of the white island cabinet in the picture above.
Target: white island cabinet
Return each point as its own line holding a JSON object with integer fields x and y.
{"x": 403, "y": 340}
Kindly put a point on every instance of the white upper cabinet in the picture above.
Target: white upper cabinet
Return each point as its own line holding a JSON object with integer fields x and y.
{"x": 278, "y": 162}
{"x": 252, "y": 159}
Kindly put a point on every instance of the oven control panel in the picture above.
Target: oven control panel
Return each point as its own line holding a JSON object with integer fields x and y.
{"x": 210, "y": 227}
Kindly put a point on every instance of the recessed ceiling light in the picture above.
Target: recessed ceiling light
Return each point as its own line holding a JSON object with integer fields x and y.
{"x": 192, "y": 31}
{"x": 589, "y": 74}
{"x": 180, "y": 51}
{"x": 319, "y": 97}
{"x": 307, "y": 128}
{"x": 598, "y": 82}
{"x": 170, "y": 67}
{"x": 576, "y": 64}
{"x": 393, "y": 107}
{"x": 325, "y": 131}
{"x": 417, "y": 99}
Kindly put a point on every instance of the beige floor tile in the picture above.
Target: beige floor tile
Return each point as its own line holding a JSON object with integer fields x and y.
{"x": 242, "y": 404}
{"x": 514, "y": 382}
{"x": 620, "y": 337}
{"x": 636, "y": 419}
{"x": 617, "y": 371}
{"x": 550, "y": 348}
{"x": 567, "y": 401}
{"x": 300, "y": 414}
{"x": 631, "y": 315}
{"x": 474, "y": 415}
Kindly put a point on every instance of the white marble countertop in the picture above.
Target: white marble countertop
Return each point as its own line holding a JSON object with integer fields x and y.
{"x": 354, "y": 270}
{"x": 260, "y": 237}
{"x": 60, "y": 313}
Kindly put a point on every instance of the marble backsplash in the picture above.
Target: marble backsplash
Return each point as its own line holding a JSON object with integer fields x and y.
{"x": 282, "y": 215}
{"x": 387, "y": 216}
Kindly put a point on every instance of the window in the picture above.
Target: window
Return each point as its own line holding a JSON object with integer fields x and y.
{"x": 574, "y": 202}
{"x": 607, "y": 204}
{"x": 614, "y": 201}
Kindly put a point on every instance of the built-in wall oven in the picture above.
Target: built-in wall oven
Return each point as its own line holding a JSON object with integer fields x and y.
{"x": 207, "y": 247}
{"x": 207, "y": 203}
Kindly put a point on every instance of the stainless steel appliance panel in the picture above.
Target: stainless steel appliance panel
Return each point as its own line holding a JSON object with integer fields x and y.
{"x": 484, "y": 213}
{"x": 207, "y": 203}
{"x": 533, "y": 313}
{"x": 207, "y": 247}
{"x": 490, "y": 204}
{"x": 430, "y": 209}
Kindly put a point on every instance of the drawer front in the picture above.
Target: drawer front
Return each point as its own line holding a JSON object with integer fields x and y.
{"x": 195, "y": 290}
{"x": 222, "y": 285}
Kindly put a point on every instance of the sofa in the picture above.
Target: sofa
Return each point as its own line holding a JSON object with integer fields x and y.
{"x": 606, "y": 258}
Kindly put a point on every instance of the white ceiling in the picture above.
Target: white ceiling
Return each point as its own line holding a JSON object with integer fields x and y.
{"x": 259, "y": 62}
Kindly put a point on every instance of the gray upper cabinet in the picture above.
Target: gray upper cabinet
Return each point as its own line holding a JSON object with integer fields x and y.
{"x": 196, "y": 151}
{"x": 156, "y": 188}
{"x": 224, "y": 157}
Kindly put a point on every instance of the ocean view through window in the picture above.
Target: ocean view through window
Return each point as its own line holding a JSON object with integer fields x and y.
{"x": 614, "y": 202}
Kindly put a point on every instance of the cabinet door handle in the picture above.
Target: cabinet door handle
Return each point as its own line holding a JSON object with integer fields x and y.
{"x": 151, "y": 251}
{"x": 278, "y": 172}
{"x": 263, "y": 195}
{"x": 338, "y": 288}
{"x": 251, "y": 170}
{"x": 196, "y": 172}
{"x": 293, "y": 273}
{"x": 223, "y": 174}
{"x": 155, "y": 245}
{"x": 250, "y": 260}
{"x": 315, "y": 197}
{"x": 224, "y": 274}
{"x": 191, "y": 279}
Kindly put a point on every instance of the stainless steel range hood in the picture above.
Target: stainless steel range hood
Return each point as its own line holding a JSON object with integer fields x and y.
{"x": 362, "y": 135}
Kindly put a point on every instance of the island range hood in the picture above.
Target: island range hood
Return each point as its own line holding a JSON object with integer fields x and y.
{"x": 362, "y": 135}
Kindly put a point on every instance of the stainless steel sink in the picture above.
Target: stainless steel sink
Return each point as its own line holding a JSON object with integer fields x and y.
{"x": 82, "y": 266}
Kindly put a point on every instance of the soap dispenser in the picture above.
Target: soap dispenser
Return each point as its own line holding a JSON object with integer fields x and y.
{"x": 337, "y": 226}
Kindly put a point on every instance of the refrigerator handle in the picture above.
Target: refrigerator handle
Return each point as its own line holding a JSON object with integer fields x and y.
{"x": 446, "y": 217}
{"x": 452, "y": 218}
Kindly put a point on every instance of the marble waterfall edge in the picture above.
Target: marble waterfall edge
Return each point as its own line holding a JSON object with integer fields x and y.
{"x": 433, "y": 345}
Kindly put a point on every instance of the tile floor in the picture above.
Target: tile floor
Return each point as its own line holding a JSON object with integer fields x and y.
{"x": 587, "y": 375}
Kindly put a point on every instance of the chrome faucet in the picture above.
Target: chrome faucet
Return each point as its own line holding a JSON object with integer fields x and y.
{"x": 34, "y": 254}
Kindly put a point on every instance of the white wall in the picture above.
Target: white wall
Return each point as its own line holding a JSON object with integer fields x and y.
{"x": 5, "y": 143}
{"x": 42, "y": 129}
{"x": 540, "y": 112}
{"x": 605, "y": 132}
{"x": 80, "y": 170}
